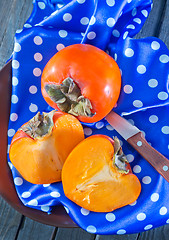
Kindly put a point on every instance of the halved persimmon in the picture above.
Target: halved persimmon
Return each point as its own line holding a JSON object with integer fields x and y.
{"x": 40, "y": 147}
{"x": 97, "y": 176}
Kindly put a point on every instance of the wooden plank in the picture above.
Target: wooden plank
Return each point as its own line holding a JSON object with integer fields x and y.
{"x": 117, "y": 237}
{"x": 73, "y": 234}
{"x": 9, "y": 221}
{"x": 16, "y": 15}
{"x": 33, "y": 230}
{"x": 164, "y": 30}
{"x": 152, "y": 24}
{"x": 160, "y": 233}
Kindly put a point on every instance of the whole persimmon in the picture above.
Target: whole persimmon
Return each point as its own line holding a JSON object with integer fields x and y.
{"x": 40, "y": 147}
{"x": 101, "y": 177}
{"x": 82, "y": 80}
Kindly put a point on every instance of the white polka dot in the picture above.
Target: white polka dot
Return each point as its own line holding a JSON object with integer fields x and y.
{"x": 129, "y": 1}
{"x": 137, "y": 20}
{"x": 165, "y": 168}
{"x": 110, "y": 217}
{"x": 67, "y": 17}
{"x": 84, "y": 212}
{"x": 9, "y": 163}
{"x": 109, "y": 127}
{"x": 27, "y": 25}
{"x": 115, "y": 56}
{"x": 155, "y": 45}
{"x": 133, "y": 204}
{"x": 129, "y": 52}
{"x": 84, "y": 21}
{"x": 130, "y": 26}
{"x": 13, "y": 117}
{"x": 163, "y": 95}
{"x": 81, "y": 1}
{"x": 146, "y": 180}
{"x": 128, "y": 89}
{"x": 92, "y": 20}
{"x": 167, "y": 221}
{"x": 116, "y": 33}
{"x": 139, "y": 143}
{"x": 18, "y": 181}
{"x": 125, "y": 35}
{"x": 33, "y": 89}
{"x": 149, "y": 226}
{"x": 121, "y": 231}
{"x": 131, "y": 121}
{"x": 137, "y": 169}
{"x": 37, "y": 72}
{"x": 45, "y": 208}
{"x": 38, "y": 57}
{"x": 145, "y": 13}
{"x": 134, "y": 11}
{"x": 19, "y": 30}
{"x": 130, "y": 158}
{"x": 33, "y": 107}
{"x": 63, "y": 33}
{"x": 14, "y": 81}
{"x": 110, "y": 3}
{"x": 91, "y": 35}
{"x": 14, "y": 99}
{"x": 11, "y": 132}
{"x": 17, "y": 47}
{"x": 41, "y": 5}
{"x": 67, "y": 209}
{"x": 99, "y": 125}
{"x": 26, "y": 194}
{"x": 141, "y": 69}
{"x": 55, "y": 194}
{"x": 15, "y": 64}
{"x": 153, "y": 119}
{"x": 33, "y": 202}
{"x": 60, "y": 46}
{"x": 152, "y": 83}
{"x": 110, "y": 22}
{"x": 46, "y": 185}
{"x": 38, "y": 40}
{"x": 87, "y": 131}
{"x": 165, "y": 129}
{"x": 141, "y": 216}
{"x": 164, "y": 58}
{"x": 137, "y": 104}
{"x": 91, "y": 229}
{"x": 163, "y": 210}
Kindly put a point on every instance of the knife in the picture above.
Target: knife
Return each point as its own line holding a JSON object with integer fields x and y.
{"x": 136, "y": 139}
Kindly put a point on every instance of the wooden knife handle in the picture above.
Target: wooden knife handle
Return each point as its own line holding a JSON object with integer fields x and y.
{"x": 156, "y": 159}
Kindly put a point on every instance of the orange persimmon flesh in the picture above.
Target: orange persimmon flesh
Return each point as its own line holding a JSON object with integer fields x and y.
{"x": 39, "y": 160}
{"x": 91, "y": 181}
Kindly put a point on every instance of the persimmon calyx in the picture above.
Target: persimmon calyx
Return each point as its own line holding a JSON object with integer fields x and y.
{"x": 69, "y": 99}
{"x": 119, "y": 158}
{"x": 40, "y": 125}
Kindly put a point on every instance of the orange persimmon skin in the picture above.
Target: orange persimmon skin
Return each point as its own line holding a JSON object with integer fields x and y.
{"x": 94, "y": 71}
{"x": 40, "y": 160}
{"x": 95, "y": 185}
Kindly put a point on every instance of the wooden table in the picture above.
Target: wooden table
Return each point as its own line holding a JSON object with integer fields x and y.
{"x": 13, "y": 225}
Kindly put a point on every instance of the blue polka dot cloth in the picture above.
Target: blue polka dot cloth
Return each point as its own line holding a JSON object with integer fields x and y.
{"x": 144, "y": 100}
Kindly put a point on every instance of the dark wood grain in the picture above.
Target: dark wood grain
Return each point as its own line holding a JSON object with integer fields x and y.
{"x": 161, "y": 233}
{"x": 30, "y": 229}
{"x": 9, "y": 221}
{"x": 73, "y": 234}
{"x": 164, "y": 30}
{"x": 117, "y": 237}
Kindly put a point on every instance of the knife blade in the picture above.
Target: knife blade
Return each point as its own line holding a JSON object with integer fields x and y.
{"x": 136, "y": 139}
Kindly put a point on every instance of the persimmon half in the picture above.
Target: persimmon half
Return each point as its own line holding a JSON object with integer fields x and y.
{"x": 82, "y": 80}
{"x": 98, "y": 177}
{"x": 40, "y": 147}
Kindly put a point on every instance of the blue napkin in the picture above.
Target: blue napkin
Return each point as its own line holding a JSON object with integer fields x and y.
{"x": 144, "y": 99}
